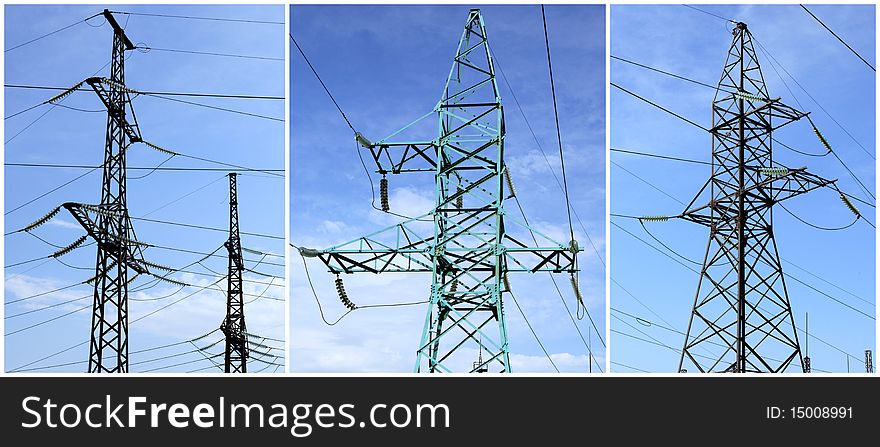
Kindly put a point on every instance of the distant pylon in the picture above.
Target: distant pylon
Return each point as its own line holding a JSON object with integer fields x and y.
{"x": 233, "y": 326}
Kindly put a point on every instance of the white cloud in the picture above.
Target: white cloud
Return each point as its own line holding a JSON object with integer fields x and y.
{"x": 61, "y": 223}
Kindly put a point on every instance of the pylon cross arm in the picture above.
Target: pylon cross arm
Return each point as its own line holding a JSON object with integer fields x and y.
{"x": 131, "y": 130}
{"x": 406, "y": 248}
{"x": 80, "y": 213}
{"x": 771, "y": 115}
{"x": 404, "y": 157}
{"x": 421, "y": 156}
{"x": 771, "y": 190}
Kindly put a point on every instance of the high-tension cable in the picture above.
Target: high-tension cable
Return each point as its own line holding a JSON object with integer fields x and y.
{"x": 556, "y": 116}
{"x": 312, "y": 67}
{"x": 141, "y": 168}
{"x": 545, "y": 157}
{"x": 52, "y": 32}
{"x": 190, "y": 17}
{"x": 152, "y": 92}
{"x": 211, "y": 53}
{"x": 637, "y": 64}
{"x": 852, "y": 174}
{"x": 838, "y": 38}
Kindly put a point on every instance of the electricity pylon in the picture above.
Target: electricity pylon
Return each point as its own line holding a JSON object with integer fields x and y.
{"x": 111, "y": 228}
{"x": 742, "y": 302}
{"x": 466, "y": 247}
{"x": 233, "y": 326}
{"x": 869, "y": 362}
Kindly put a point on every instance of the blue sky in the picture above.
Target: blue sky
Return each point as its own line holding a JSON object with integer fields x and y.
{"x": 66, "y": 136}
{"x": 694, "y": 45}
{"x": 386, "y": 66}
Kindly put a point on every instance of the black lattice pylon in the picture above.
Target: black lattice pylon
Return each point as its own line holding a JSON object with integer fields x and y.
{"x": 742, "y": 317}
{"x": 233, "y": 326}
{"x": 111, "y": 228}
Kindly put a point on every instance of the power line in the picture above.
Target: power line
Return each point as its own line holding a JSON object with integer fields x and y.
{"x": 510, "y": 292}
{"x": 214, "y": 254}
{"x": 223, "y": 109}
{"x": 556, "y": 115}
{"x": 709, "y": 13}
{"x": 642, "y": 223}
{"x": 8, "y": 302}
{"x": 322, "y": 83}
{"x": 820, "y": 278}
{"x": 189, "y": 17}
{"x": 231, "y": 165}
{"x": 838, "y": 301}
{"x": 788, "y": 147}
{"x": 202, "y": 227}
{"x": 818, "y": 227}
{"x": 200, "y": 359}
{"x": 54, "y": 354}
{"x": 629, "y": 367}
{"x": 141, "y": 168}
{"x": 559, "y": 292}
{"x": 23, "y": 111}
{"x": 847, "y": 132}
{"x": 787, "y": 275}
{"x": 838, "y": 38}
{"x": 845, "y": 166}
{"x": 25, "y": 128}
{"x": 180, "y": 354}
{"x": 694, "y": 270}
{"x": 49, "y": 192}
{"x": 658, "y": 106}
{"x": 707, "y": 130}
{"x": 546, "y": 158}
{"x": 321, "y": 308}
{"x": 47, "y": 307}
{"x": 213, "y": 53}
{"x": 713, "y": 87}
{"x": 52, "y": 32}
{"x": 178, "y": 199}
{"x": 22, "y": 368}
{"x": 160, "y": 93}
{"x": 650, "y": 323}
{"x": 648, "y": 183}
{"x": 798, "y": 151}
{"x": 665, "y": 157}
{"x": 80, "y": 309}
{"x": 93, "y": 169}
{"x": 655, "y": 248}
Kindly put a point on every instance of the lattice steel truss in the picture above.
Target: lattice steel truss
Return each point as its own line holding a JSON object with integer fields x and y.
{"x": 742, "y": 302}
{"x": 233, "y": 326}
{"x": 467, "y": 248}
{"x": 111, "y": 228}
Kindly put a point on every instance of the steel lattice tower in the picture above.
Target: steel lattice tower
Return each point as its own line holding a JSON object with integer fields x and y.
{"x": 233, "y": 326}
{"x": 742, "y": 303}
{"x": 118, "y": 250}
{"x": 466, "y": 247}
